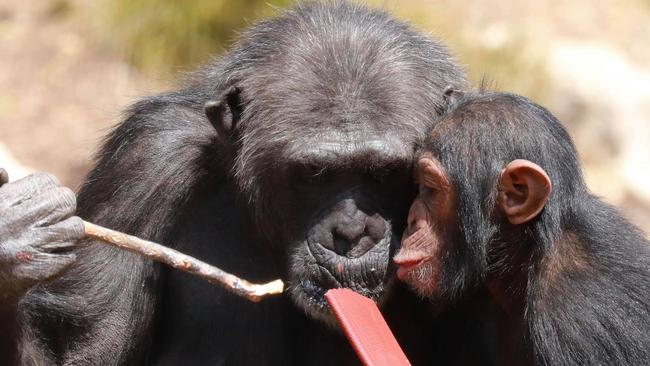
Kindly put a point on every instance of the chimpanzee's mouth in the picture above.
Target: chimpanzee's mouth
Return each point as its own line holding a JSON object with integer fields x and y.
{"x": 314, "y": 270}
{"x": 408, "y": 265}
{"x": 314, "y": 288}
{"x": 312, "y": 297}
{"x": 315, "y": 294}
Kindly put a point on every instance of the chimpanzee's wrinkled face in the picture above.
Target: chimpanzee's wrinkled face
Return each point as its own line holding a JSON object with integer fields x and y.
{"x": 322, "y": 130}
{"x": 430, "y": 230}
{"x": 338, "y": 209}
{"x": 325, "y": 130}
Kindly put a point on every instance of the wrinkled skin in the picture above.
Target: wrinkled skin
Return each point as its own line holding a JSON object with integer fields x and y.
{"x": 349, "y": 244}
{"x": 37, "y": 231}
{"x": 343, "y": 208}
{"x": 431, "y": 224}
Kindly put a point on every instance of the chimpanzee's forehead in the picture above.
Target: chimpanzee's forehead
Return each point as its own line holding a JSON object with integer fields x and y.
{"x": 343, "y": 90}
{"x": 318, "y": 109}
{"x": 323, "y": 126}
{"x": 325, "y": 139}
{"x": 338, "y": 146}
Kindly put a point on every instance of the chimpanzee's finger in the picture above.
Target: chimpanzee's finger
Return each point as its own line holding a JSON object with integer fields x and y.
{"x": 23, "y": 189}
{"x": 58, "y": 246}
{"x": 43, "y": 266}
{"x": 55, "y": 204}
{"x": 44, "y": 208}
{"x": 70, "y": 231}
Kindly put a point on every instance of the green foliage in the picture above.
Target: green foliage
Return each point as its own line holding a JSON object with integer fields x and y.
{"x": 162, "y": 36}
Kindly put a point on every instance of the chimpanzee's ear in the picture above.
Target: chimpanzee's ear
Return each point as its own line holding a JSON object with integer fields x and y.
{"x": 224, "y": 113}
{"x": 524, "y": 189}
{"x": 452, "y": 95}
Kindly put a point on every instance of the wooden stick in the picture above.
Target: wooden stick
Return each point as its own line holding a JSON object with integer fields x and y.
{"x": 176, "y": 259}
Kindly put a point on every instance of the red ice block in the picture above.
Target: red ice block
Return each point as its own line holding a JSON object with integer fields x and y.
{"x": 366, "y": 329}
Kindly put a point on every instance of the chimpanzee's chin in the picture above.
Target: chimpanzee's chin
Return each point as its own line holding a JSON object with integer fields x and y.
{"x": 423, "y": 279}
{"x": 310, "y": 297}
{"x": 311, "y": 276}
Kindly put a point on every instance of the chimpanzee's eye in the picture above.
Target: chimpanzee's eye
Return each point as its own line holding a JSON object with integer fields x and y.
{"x": 390, "y": 173}
{"x": 311, "y": 173}
{"x": 378, "y": 175}
{"x": 426, "y": 191}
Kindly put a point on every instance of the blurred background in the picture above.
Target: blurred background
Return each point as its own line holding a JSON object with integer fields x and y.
{"x": 69, "y": 67}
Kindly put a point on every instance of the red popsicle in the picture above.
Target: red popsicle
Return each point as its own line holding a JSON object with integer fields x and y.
{"x": 366, "y": 329}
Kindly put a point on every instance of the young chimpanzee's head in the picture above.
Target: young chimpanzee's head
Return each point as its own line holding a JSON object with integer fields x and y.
{"x": 485, "y": 174}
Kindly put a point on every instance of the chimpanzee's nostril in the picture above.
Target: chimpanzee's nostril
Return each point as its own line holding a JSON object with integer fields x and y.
{"x": 322, "y": 236}
{"x": 376, "y": 227}
{"x": 346, "y": 235}
{"x": 341, "y": 245}
{"x": 349, "y": 232}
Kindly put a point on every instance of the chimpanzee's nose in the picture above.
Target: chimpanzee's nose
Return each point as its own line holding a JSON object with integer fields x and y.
{"x": 417, "y": 218}
{"x": 350, "y": 232}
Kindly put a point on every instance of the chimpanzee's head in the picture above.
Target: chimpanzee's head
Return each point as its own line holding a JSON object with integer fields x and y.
{"x": 486, "y": 173}
{"x": 322, "y": 114}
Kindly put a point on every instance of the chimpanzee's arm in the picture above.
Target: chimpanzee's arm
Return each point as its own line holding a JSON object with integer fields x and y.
{"x": 37, "y": 234}
{"x": 100, "y": 312}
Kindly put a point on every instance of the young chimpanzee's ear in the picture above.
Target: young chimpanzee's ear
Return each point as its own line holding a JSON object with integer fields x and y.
{"x": 224, "y": 113}
{"x": 524, "y": 189}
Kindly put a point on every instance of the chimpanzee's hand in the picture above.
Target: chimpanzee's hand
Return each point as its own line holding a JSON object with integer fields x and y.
{"x": 37, "y": 232}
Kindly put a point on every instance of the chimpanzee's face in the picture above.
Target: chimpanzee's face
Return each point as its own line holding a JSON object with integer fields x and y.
{"x": 337, "y": 208}
{"x": 435, "y": 255}
{"x": 430, "y": 232}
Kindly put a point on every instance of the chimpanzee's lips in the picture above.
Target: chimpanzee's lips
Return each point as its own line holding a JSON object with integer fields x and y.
{"x": 314, "y": 292}
{"x": 314, "y": 269}
{"x": 408, "y": 264}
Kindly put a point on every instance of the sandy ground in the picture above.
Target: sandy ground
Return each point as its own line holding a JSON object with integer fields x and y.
{"x": 58, "y": 93}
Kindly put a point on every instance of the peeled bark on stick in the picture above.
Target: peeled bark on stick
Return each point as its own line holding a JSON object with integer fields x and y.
{"x": 178, "y": 260}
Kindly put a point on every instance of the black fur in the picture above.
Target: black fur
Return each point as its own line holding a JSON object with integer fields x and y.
{"x": 311, "y": 124}
{"x": 584, "y": 270}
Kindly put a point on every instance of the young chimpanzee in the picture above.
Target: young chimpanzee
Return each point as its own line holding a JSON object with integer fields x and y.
{"x": 503, "y": 204}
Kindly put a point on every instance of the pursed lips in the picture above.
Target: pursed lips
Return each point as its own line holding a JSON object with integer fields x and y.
{"x": 409, "y": 262}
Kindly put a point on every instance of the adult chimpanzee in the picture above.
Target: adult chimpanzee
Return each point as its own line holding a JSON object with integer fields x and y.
{"x": 571, "y": 276}
{"x": 290, "y": 156}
